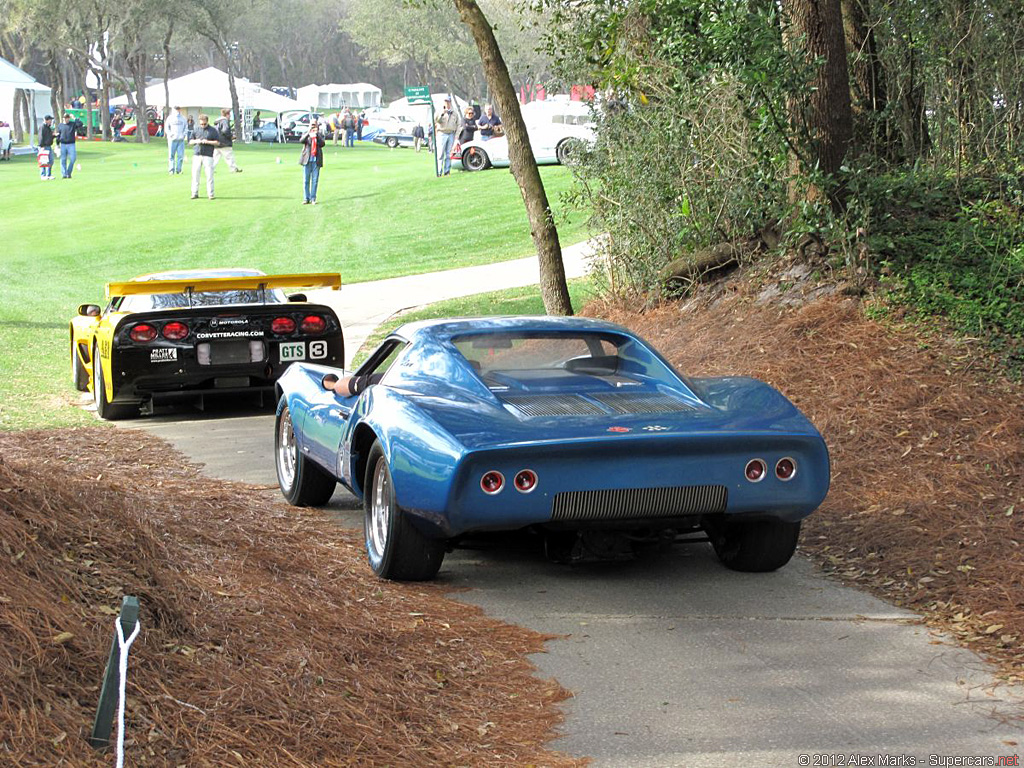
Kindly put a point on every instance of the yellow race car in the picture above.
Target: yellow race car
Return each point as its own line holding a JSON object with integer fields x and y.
{"x": 183, "y": 335}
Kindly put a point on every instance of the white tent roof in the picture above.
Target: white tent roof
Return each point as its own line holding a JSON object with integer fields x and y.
{"x": 339, "y": 95}
{"x": 10, "y": 75}
{"x": 209, "y": 88}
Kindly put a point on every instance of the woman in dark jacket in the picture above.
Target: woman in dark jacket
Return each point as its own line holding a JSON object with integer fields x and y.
{"x": 311, "y": 160}
{"x": 468, "y": 126}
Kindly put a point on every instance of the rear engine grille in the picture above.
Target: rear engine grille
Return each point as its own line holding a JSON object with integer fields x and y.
{"x": 641, "y": 402}
{"x": 639, "y": 503}
{"x": 554, "y": 405}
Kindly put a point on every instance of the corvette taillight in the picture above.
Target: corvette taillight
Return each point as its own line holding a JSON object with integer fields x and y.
{"x": 525, "y": 480}
{"x": 492, "y": 482}
{"x": 755, "y": 470}
{"x": 142, "y": 333}
{"x": 785, "y": 469}
{"x": 174, "y": 331}
{"x": 282, "y": 325}
{"x": 313, "y": 324}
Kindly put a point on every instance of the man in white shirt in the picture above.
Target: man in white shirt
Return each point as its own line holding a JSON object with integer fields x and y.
{"x": 175, "y": 129}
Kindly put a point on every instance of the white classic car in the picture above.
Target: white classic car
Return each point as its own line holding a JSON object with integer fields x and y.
{"x": 552, "y": 142}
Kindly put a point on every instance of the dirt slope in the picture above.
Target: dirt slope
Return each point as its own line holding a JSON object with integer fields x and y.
{"x": 266, "y": 640}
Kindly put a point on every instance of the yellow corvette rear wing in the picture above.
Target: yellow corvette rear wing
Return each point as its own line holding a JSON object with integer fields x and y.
{"x": 330, "y": 280}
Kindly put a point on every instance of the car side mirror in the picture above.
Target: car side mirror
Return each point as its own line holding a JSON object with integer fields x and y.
{"x": 89, "y": 310}
{"x": 298, "y": 297}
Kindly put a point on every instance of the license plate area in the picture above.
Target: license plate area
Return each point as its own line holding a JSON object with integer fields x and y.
{"x": 231, "y": 352}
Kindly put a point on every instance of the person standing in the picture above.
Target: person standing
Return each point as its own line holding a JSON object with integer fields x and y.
{"x": 226, "y": 149}
{"x": 46, "y": 146}
{"x": 418, "y": 136}
{"x": 446, "y": 123}
{"x": 488, "y": 122}
{"x": 205, "y": 141}
{"x": 360, "y": 119}
{"x": 256, "y": 122}
{"x": 311, "y": 160}
{"x": 468, "y": 129}
{"x": 176, "y": 131}
{"x": 190, "y": 128}
{"x": 67, "y": 133}
{"x": 348, "y": 123}
{"x": 5, "y": 141}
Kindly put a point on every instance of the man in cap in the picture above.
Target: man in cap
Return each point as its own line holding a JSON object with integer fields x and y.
{"x": 446, "y": 123}
{"x": 46, "y": 145}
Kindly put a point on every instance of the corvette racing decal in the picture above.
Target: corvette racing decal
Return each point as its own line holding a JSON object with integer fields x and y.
{"x": 168, "y": 355}
{"x": 228, "y": 334}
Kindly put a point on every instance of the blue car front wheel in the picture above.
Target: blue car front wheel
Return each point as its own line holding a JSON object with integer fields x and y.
{"x": 394, "y": 547}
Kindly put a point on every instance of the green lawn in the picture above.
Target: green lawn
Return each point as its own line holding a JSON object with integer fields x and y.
{"x": 380, "y": 213}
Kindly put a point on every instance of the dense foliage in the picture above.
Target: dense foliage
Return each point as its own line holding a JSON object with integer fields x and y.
{"x": 705, "y": 135}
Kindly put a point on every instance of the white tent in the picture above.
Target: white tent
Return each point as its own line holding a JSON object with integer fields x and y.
{"x": 11, "y": 79}
{"x": 209, "y": 88}
{"x": 321, "y": 98}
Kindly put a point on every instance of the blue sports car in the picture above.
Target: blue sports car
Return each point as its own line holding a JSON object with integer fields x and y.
{"x": 573, "y": 427}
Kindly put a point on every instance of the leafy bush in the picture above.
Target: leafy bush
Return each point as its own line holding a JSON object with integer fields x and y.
{"x": 955, "y": 249}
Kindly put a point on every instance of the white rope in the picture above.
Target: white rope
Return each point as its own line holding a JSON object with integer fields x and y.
{"x": 124, "y": 645}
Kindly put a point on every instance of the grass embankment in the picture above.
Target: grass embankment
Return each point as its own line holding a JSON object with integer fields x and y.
{"x": 381, "y": 213}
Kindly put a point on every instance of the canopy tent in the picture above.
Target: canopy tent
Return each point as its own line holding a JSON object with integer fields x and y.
{"x": 209, "y": 88}
{"x": 333, "y": 96}
{"x": 12, "y": 79}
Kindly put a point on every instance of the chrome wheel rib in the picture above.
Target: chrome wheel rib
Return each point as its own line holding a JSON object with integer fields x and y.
{"x": 380, "y": 509}
{"x": 286, "y": 452}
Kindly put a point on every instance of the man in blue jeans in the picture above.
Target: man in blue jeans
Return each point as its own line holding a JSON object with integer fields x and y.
{"x": 66, "y": 136}
{"x": 446, "y": 123}
{"x": 311, "y": 160}
{"x": 175, "y": 131}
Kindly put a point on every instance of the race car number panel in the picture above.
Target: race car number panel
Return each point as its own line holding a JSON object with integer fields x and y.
{"x": 292, "y": 351}
{"x": 318, "y": 349}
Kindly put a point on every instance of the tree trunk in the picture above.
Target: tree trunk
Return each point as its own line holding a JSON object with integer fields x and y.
{"x": 104, "y": 81}
{"x": 138, "y": 66}
{"x": 17, "y": 129}
{"x": 553, "y": 287}
{"x": 167, "y": 71}
{"x": 821, "y": 115}
{"x": 867, "y": 77}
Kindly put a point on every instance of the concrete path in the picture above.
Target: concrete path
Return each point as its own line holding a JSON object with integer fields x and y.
{"x": 674, "y": 660}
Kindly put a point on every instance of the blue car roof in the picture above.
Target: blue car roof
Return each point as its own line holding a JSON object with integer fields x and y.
{"x": 447, "y": 328}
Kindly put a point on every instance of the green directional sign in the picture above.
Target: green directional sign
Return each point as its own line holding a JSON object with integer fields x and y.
{"x": 418, "y": 94}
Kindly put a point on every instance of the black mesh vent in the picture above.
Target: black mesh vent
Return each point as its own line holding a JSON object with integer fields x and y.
{"x": 639, "y": 503}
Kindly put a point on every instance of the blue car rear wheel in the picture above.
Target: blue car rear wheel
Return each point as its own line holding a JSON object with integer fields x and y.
{"x": 754, "y": 546}
{"x": 394, "y": 547}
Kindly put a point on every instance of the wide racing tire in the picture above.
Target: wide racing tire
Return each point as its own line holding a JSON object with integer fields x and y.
{"x": 303, "y": 483}
{"x": 104, "y": 408}
{"x": 79, "y": 373}
{"x": 394, "y": 547}
{"x": 754, "y": 546}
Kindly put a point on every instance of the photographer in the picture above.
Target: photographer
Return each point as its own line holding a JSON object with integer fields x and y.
{"x": 311, "y": 160}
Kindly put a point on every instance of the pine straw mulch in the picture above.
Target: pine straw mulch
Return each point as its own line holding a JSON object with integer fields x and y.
{"x": 926, "y": 507}
{"x": 265, "y": 638}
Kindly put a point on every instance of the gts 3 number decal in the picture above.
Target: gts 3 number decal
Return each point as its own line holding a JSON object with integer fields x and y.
{"x": 318, "y": 350}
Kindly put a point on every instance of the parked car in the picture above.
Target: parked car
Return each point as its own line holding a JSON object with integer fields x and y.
{"x": 266, "y": 132}
{"x": 178, "y": 335}
{"x": 551, "y": 143}
{"x": 394, "y": 140}
{"x": 296, "y": 124}
{"x": 152, "y": 127}
{"x": 574, "y": 428}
